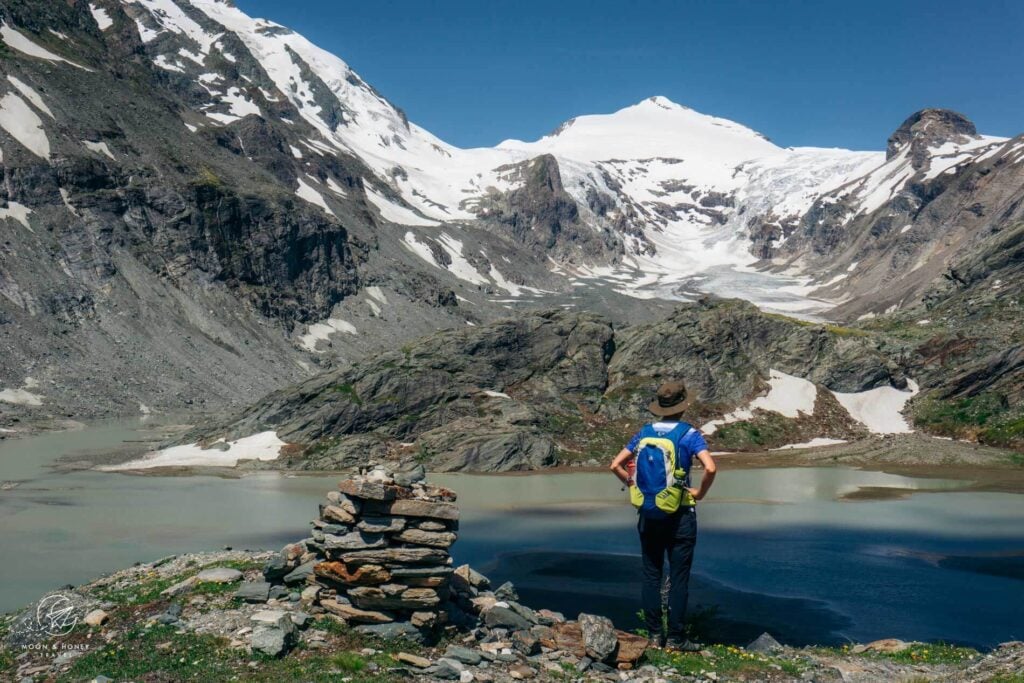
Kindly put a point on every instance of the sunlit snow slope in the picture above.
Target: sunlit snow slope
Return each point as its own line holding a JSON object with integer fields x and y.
{"x": 683, "y": 191}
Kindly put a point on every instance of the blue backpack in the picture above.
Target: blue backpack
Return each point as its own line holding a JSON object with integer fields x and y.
{"x": 662, "y": 476}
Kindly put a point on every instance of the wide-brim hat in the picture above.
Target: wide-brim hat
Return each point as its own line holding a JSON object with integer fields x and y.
{"x": 671, "y": 399}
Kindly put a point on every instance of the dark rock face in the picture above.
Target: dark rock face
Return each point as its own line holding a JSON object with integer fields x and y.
{"x": 929, "y": 128}
{"x": 542, "y": 216}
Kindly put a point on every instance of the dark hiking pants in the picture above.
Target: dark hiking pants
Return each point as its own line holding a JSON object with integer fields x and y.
{"x": 675, "y": 537}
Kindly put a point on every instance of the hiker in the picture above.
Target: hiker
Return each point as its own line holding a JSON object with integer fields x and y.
{"x": 658, "y": 459}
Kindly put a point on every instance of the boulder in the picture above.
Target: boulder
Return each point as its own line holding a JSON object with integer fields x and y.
{"x": 354, "y": 614}
{"x": 409, "y": 477}
{"x": 300, "y": 573}
{"x": 253, "y": 591}
{"x": 424, "y": 508}
{"x": 357, "y": 540}
{"x": 506, "y": 591}
{"x": 448, "y": 669}
{"x": 219, "y": 575}
{"x": 433, "y": 539}
{"x": 463, "y": 654}
{"x": 364, "y": 575}
{"x": 392, "y": 556}
{"x": 335, "y": 513}
{"x": 764, "y": 644}
{"x": 381, "y": 525}
{"x": 413, "y": 660}
{"x": 396, "y": 629}
{"x": 568, "y": 637}
{"x": 631, "y": 648}
{"x": 96, "y": 617}
{"x": 503, "y": 617}
{"x": 599, "y": 638}
{"x": 393, "y": 596}
{"x": 274, "y": 633}
{"x": 367, "y": 490}
{"x": 472, "y": 577}
{"x": 526, "y": 643}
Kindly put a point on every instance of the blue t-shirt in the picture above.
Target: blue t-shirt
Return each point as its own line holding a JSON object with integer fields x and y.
{"x": 690, "y": 442}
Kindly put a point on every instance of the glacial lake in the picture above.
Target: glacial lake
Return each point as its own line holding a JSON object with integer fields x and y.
{"x": 778, "y": 549}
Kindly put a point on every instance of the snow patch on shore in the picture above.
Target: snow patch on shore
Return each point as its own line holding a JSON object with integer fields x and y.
{"x": 262, "y": 446}
{"x": 787, "y": 395}
{"x": 879, "y": 409}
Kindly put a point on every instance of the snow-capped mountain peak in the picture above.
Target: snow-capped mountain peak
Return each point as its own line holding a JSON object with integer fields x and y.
{"x": 652, "y": 128}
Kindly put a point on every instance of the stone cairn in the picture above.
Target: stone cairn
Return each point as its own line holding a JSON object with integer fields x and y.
{"x": 377, "y": 559}
{"x": 378, "y": 555}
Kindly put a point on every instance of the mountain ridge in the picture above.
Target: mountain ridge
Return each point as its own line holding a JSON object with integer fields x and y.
{"x": 176, "y": 173}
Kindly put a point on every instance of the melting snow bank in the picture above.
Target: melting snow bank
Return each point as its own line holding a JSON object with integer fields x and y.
{"x": 787, "y": 395}
{"x": 879, "y": 409}
{"x": 262, "y": 446}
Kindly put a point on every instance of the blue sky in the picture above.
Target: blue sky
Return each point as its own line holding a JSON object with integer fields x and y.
{"x": 832, "y": 74}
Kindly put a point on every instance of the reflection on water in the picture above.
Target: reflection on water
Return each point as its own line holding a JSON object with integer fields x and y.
{"x": 777, "y": 549}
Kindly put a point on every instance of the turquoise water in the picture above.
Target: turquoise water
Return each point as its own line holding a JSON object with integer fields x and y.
{"x": 777, "y": 548}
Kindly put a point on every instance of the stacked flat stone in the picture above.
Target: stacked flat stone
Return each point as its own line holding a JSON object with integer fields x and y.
{"x": 378, "y": 554}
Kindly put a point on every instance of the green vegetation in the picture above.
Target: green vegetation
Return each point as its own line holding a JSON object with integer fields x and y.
{"x": 349, "y": 391}
{"x": 841, "y": 331}
{"x": 147, "y": 589}
{"x": 930, "y": 653}
{"x": 723, "y": 659}
{"x": 207, "y": 178}
{"x": 582, "y": 436}
{"x": 1007, "y": 678}
{"x": 987, "y": 417}
{"x": 764, "y": 431}
{"x": 161, "y": 653}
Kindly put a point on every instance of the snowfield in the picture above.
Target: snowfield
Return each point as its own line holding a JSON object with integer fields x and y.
{"x": 879, "y": 409}
{"x": 262, "y": 446}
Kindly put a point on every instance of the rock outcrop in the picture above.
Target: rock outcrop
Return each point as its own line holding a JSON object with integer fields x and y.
{"x": 549, "y": 387}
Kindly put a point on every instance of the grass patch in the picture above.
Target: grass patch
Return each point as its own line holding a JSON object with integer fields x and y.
{"x": 145, "y": 590}
{"x": 987, "y": 417}
{"x": 1008, "y": 678}
{"x": 930, "y": 653}
{"x": 840, "y": 331}
{"x": 581, "y": 437}
{"x": 350, "y": 392}
{"x": 766, "y": 430}
{"x": 160, "y": 653}
{"x": 207, "y": 178}
{"x": 1008, "y": 434}
{"x": 727, "y": 659}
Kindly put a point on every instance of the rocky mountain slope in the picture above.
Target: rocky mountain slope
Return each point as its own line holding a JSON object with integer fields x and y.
{"x": 557, "y": 387}
{"x": 199, "y": 207}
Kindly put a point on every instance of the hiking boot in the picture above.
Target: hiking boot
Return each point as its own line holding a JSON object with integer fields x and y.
{"x": 686, "y": 645}
{"x": 656, "y": 642}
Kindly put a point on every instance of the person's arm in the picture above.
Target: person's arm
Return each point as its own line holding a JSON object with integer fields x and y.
{"x": 618, "y": 466}
{"x": 709, "y": 475}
